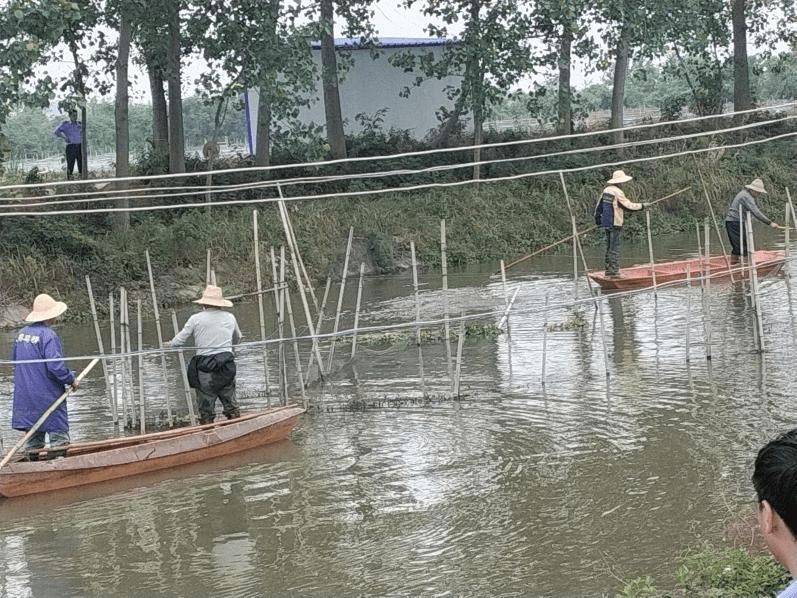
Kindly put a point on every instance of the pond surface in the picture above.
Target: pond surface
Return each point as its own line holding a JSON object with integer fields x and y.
{"x": 548, "y": 477}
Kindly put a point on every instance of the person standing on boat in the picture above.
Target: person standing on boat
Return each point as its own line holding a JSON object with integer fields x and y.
{"x": 609, "y": 214}
{"x": 211, "y": 371}
{"x": 40, "y": 376}
{"x": 775, "y": 483}
{"x": 735, "y": 219}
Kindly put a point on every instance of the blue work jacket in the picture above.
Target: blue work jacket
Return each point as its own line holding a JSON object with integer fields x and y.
{"x": 37, "y": 385}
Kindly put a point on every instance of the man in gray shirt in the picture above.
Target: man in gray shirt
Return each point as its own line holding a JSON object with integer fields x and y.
{"x": 744, "y": 201}
{"x": 211, "y": 371}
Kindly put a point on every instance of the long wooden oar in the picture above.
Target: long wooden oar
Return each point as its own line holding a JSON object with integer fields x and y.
{"x": 46, "y": 414}
{"x": 583, "y": 232}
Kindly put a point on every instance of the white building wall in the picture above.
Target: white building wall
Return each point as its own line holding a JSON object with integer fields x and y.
{"x": 373, "y": 84}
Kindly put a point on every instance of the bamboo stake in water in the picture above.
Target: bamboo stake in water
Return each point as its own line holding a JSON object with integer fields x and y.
{"x": 357, "y": 311}
{"x": 283, "y": 301}
{"x": 156, "y": 311}
{"x": 260, "y": 309}
{"x": 141, "y": 393}
{"x": 297, "y": 357}
{"x": 308, "y": 318}
{"x": 319, "y": 323}
{"x": 544, "y": 338}
{"x": 507, "y": 306}
{"x": 99, "y": 344}
{"x": 127, "y": 369}
{"x": 446, "y": 327}
{"x": 754, "y": 285}
{"x": 114, "y": 360}
{"x": 688, "y": 308}
{"x": 340, "y": 299}
{"x": 460, "y": 344}
{"x": 417, "y": 316}
{"x": 189, "y": 400}
{"x": 292, "y": 243}
{"x": 575, "y": 258}
{"x": 650, "y": 251}
{"x": 706, "y": 286}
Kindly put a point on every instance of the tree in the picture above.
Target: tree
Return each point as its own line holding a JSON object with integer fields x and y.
{"x": 490, "y": 55}
{"x": 329, "y": 81}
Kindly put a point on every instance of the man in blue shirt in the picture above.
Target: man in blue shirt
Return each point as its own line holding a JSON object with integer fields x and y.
{"x": 40, "y": 376}
{"x": 70, "y": 131}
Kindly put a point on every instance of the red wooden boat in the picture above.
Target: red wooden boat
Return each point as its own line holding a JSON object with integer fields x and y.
{"x": 641, "y": 276}
{"x": 102, "y": 460}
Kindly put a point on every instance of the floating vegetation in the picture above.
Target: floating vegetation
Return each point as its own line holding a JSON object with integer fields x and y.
{"x": 474, "y": 331}
{"x": 577, "y": 322}
{"x": 360, "y": 404}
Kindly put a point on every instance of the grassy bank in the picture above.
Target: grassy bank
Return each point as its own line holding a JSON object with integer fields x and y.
{"x": 488, "y": 222}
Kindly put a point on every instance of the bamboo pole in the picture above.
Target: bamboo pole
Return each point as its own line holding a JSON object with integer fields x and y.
{"x": 207, "y": 269}
{"x": 575, "y": 257}
{"x": 307, "y": 316}
{"x": 156, "y": 311}
{"x": 754, "y": 285}
{"x": 446, "y": 324}
{"x": 714, "y": 219}
{"x": 357, "y": 311}
{"x": 687, "y": 341}
{"x": 127, "y": 376}
{"x": 544, "y": 339}
{"x": 507, "y": 308}
{"x": 417, "y": 316}
{"x": 292, "y": 242}
{"x": 99, "y": 344}
{"x": 319, "y": 322}
{"x": 141, "y": 394}
{"x": 650, "y": 252}
{"x": 460, "y": 344}
{"x": 261, "y": 312}
{"x": 340, "y": 299}
{"x": 297, "y": 356}
{"x": 189, "y": 400}
{"x": 283, "y": 301}
{"x": 705, "y": 286}
{"x": 114, "y": 360}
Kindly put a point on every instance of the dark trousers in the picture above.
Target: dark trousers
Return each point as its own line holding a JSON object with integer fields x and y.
{"x": 614, "y": 235}
{"x": 74, "y": 154}
{"x": 736, "y": 235}
{"x": 208, "y": 391}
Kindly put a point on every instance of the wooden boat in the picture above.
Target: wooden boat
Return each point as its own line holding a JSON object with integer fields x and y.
{"x": 102, "y": 460}
{"x": 641, "y": 276}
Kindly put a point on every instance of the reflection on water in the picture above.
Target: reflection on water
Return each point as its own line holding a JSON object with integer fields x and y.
{"x": 627, "y": 455}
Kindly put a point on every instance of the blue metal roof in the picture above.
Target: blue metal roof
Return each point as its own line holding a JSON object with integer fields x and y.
{"x": 388, "y": 42}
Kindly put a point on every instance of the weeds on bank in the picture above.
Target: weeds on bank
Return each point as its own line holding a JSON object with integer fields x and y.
{"x": 717, "y": 573}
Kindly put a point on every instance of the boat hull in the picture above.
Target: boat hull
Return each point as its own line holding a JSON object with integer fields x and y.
{"x": 642, "y": 276}
{"x": 95, "y": 462}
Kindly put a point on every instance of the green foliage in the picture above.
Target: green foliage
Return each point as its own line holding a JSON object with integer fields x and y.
{"x": 638, "y": 588}
{"x": 731, "y": 572}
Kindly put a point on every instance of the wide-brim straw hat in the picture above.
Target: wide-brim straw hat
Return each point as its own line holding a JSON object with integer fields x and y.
{"x": 757, "y": 185}
{"x": 618, "y": 176}
{"x": 45, "y": 308}
{"x": 212, "y": 296}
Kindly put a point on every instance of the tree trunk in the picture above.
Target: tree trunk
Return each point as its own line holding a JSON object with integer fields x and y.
{"x": 263, "y": 140}
{"x": 618, "y": 88}
{"x": 742, "y": 98}
{"x": 160, "y": 114}
{"x": 121, "y": 220}
{"x": 565, "y": 102}
{"x": 476, "y": 76}
{"x": 176, "y": 137}
{"x": 329, "y": 77}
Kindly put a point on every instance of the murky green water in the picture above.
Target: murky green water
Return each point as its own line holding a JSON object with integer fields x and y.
{"x": 519, "y": 488}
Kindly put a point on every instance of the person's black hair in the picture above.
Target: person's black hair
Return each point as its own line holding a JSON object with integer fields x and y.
{"x": 775, "y": 477}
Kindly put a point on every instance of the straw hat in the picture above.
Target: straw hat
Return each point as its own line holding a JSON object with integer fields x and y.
{"x": 212, "y": 296}
{"x": 757, "y": 185}
{"x": 45, "y": 308}
{"x": 618, "y": 176}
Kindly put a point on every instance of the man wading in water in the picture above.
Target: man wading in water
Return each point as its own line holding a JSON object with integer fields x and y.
{"x": 211, "y": 371}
